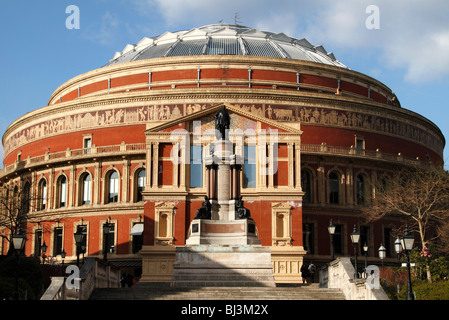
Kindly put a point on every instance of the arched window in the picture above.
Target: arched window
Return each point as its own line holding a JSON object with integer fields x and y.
{"x": 141, "y": 181}
{"x": 360, "y": 190}
{"x": 61, "y": 192}
{"x": 113, "y": 187}
{"x": 42, "y": 194}
{"x": 86, "y": 189}
{"x": 334, "y": 188}
{"x": 306, "y": 185}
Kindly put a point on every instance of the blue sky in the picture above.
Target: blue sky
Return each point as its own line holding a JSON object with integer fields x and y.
{"x": 409, "y": 52}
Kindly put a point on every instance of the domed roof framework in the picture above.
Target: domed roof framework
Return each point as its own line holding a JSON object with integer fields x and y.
{"x": 225, "y": 39}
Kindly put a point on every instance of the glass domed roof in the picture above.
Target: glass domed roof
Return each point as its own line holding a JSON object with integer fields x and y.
{"x": 225, "y": 39}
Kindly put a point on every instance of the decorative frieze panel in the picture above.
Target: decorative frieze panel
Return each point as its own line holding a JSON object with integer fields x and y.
{"x": 150, "y": 113}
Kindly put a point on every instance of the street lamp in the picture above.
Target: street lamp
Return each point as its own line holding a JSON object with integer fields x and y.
{"x": 44, "y": 248}
{"x": 398, "y": 247}
{"x": 331, "y": 230}
{"x": 63, "y": 257}
{"x": 365, "y": 251}
{"x": 355, "y": 238}
{"x": 79, "y": 238}
{"x": 18, "y": 241}
{"x": 63, "y": 254}
{"x": 407, "y": 242}
{"x": 382, "y": 254}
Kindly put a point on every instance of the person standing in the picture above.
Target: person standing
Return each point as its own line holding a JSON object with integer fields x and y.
{"x": 304, "y": 273}
{"x": 311, "y": 269}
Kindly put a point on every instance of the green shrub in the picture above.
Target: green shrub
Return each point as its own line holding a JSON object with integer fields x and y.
{"x": 424, "y": 290}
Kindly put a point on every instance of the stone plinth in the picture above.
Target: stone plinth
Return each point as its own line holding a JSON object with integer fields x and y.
{"x": 233, "y": 232}
{"x": 287, "y": 262}
{"x": 157, "y": 263}
{"x": 223, "y": 265}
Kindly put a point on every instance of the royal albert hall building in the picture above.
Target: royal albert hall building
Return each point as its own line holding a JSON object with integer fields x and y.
{"x": 102, "y": 150}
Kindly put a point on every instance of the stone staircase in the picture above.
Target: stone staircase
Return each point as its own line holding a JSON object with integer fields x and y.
{"x": 152, "y": 291}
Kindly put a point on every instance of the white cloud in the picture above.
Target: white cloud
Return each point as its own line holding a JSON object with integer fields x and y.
{"x": 104, "y": 31}
{"x": 413, "y": 35}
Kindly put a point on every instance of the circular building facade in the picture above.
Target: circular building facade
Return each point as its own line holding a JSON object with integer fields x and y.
{"x": 102, "y": 150}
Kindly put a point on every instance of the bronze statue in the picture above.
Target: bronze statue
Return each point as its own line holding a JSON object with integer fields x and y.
{"x": 205, "y": 212}
{"x": 240, "y": 211}
{"x": 222, "y": 123}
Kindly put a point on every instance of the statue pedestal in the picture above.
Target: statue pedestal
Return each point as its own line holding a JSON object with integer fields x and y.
{"x": 220, "y": 232}
{"x": 223, "y": 253}
{"x": 223, "y": 266}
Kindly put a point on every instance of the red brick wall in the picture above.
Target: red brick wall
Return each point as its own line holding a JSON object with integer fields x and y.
{"x": 100, "y": 137}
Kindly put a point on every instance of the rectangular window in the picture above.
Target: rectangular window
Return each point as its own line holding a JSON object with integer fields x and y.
{"x": 137, "y": 239}
{"x": 364, "y": 238}
{"x": 338, "y": 239}
{"x": 387, "y": 241}
{"x": 37, "y": 243}
{"x": 109, "y": 241}
{"x": 360, "y": 145}
{"x": 196, "y": 166}
{"x": 87, "y": 145}
{"x": 308, "y": 237}
{"x": 57, "y": 241}
{"x": 249, "y": 167}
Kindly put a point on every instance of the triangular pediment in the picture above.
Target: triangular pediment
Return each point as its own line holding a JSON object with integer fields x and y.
{"x": 247, "y": 118}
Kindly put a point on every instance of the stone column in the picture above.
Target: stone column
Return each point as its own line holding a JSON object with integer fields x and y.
{"x": 125, "y": 181}
{"x": 148, "y": 166}
{"x": 222, "y": 155}
{"x": 298, "y": 165}
{"x": 96, "y": 181}
{"x": 51, "y": 192}
{"x": 155, "y": 168}
{"x": 72, "y": 183}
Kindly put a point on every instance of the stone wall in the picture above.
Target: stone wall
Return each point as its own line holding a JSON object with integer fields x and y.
{"x": 340, "y": 275}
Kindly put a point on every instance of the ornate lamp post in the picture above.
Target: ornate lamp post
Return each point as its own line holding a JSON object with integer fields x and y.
{"x": 407, "y": 242}
{"x": 79, "y": 238}
{"x": 44, "y": 248}
{"x": 382, "y": 254}
{"x": 18, "y": 241}
{"x": 398, "y": 247}
{"x": 365, "y": 252}
{"x": 63, "y": 257}
{"x": 331, "y": 230}
{"x": 355, "y": 238}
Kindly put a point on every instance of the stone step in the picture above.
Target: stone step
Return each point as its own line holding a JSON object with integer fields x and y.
{"x": 222, "y": 280}
{"x": 152, "y": 292}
